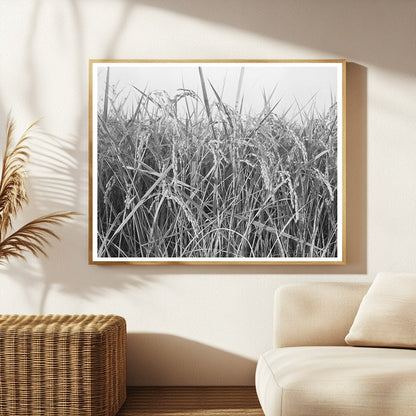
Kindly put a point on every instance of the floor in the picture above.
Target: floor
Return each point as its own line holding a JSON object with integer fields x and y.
{"x": 195, "y": 401}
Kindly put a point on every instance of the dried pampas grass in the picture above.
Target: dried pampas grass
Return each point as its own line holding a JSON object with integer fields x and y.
{"x": 34, "y": 236}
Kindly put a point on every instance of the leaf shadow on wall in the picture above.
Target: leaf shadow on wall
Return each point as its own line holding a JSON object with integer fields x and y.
{"x": 339, "y": 28}
{"x": 164, "y": 359}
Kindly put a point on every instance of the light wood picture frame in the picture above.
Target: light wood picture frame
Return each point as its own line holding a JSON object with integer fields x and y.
{"x": 217, "y": 162}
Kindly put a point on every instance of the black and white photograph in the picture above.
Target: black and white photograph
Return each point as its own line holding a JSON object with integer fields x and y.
{"x": 217, "y": 162}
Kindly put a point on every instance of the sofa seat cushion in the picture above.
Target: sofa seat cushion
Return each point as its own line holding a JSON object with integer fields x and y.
{"x": 342, "y": 381}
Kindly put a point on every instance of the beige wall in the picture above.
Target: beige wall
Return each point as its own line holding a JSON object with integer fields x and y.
{"x": 204, "y": 325}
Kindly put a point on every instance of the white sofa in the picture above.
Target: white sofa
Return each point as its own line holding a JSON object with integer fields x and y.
{"x": 311, "y": 371}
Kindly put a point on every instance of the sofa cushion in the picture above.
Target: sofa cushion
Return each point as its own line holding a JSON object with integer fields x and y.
{"x": 387, "y": 314}
{"x": 342, "y": 381}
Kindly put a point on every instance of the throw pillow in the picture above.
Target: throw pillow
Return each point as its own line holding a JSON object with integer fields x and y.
{"x": 387, "y": 314}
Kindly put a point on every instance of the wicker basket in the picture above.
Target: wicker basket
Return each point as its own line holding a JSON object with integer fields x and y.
{"x": 72, "y": 365}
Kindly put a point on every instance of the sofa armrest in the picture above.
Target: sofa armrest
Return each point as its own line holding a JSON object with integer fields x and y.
{"x": 309, "y": 314}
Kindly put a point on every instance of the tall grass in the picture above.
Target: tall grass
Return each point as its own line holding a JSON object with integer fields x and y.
{"x": 186, "y": 176}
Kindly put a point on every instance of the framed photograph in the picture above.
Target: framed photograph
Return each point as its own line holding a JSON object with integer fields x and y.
{"x": 208, "y": 162}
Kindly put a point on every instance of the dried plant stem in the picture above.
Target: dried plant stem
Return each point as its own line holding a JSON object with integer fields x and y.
{"x": 32, "y": 237}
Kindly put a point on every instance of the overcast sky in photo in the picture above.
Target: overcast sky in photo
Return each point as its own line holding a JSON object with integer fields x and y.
{"x": 292, "y": 83}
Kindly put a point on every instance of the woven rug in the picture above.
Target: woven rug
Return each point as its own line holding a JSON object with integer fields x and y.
{"x": 195, "y": 401}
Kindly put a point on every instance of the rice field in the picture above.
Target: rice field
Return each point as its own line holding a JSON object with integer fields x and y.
{"x": 192, "y": 176}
